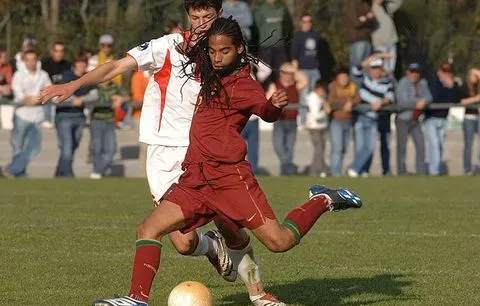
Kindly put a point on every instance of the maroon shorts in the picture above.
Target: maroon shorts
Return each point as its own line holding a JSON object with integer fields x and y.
{"x": 229, "y": 191}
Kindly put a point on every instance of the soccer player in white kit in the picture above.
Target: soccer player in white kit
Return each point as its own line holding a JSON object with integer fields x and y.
{"x": 167, "y": 112}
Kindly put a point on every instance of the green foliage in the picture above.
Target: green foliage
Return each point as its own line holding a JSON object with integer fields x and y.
{"x": 430, "y": 30}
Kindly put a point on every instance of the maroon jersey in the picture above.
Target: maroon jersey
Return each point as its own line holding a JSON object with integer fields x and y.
{"x": 215, "y": 133}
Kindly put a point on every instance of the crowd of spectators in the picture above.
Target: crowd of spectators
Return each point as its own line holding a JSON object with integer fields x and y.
{"x": 334, "y": 102}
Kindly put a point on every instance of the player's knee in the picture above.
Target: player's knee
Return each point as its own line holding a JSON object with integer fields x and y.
{"x": 276, "y": 244}
{"x": 183, "y": 246}
{"x": 146, "y": 232}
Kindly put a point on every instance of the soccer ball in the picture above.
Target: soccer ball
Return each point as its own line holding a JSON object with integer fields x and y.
{"x": 190, "y": 293}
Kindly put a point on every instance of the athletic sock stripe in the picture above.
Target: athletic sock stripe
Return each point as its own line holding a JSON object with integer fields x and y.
{"x": 291, "y": 225}
{"x": 141, "y": 242}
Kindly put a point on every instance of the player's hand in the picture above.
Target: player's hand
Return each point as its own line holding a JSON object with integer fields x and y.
{"x": 279, "y": 99}
{"x": 59, "y": 92}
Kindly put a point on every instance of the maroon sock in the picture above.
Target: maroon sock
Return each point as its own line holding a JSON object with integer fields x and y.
{"x": 145, "y": 266}
{"x": 301, "y": 219}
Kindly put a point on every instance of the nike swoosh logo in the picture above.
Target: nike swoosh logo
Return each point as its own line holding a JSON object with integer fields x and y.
{"x": 251, "y": 218}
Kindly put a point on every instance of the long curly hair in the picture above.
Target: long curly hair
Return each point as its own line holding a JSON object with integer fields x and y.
{"x": 198, "y": 55}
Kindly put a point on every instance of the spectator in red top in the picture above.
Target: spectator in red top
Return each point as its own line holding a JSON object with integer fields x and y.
{"x": 6, "y": 74}
{"x": 285, "y": 130}
{"x": 217, "y": 181}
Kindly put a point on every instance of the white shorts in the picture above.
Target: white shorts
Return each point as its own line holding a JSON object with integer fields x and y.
{"x": 164, "y": 167}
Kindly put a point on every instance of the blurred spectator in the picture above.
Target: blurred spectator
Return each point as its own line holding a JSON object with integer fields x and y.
{"x": 102, "y": 126}
{"x": 285, "y": 130}
{"x": 343, "y": 94}
{"x": 444, "y": 89}
{"x": 471, "y": 122}
{"x": 55, "y": 65}
{"x": 104, "y": 55}
{"x": 138, "y": 85}
{"x": 28, "y": 44}
{"x": 6, "y": 74}
{"x": 70, "y": 119}
{"x": 305, "y": 57}
{"x": 412, "y": 91}
{"x": 240, "y": 11}
{"x": 385, "y": 36}
{"x": 376, "y": 90}
{"x": 251, "y": 135}
{"x": 274, "y": 26}
{"x": 317, "y": 124}
{"x": 360, "y": 23}
{"x": 172, "y": 27}
{"x": 27, "y": 135}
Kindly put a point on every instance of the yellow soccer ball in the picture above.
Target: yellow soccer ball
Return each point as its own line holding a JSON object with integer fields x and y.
{"x": 190, "y": 293}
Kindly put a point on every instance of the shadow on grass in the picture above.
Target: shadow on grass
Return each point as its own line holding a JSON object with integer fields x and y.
{"x": 380, "y": 288}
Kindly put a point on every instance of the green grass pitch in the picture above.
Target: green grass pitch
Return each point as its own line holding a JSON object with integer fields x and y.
{"x": 415, "y": 242}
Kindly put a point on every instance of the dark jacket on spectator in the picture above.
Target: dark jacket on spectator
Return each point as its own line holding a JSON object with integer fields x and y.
{"x": 442, "y": 94}
{"x": 305, "y": 49}
{"x": 55, "y": 69}
{"x": 356, "y": 29}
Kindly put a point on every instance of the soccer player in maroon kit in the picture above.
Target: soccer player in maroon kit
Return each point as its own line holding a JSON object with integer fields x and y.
{"x": 218, "y": 181}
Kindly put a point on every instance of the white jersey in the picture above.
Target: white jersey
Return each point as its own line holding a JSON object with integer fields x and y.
{"x": 170, "y": 97}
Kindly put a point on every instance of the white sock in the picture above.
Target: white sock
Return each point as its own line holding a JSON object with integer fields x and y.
{"x": 246, "y": 264}
{"x": 202, "y": 246}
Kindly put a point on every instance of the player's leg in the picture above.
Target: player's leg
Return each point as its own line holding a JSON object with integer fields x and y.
{"x": 163, "y": 170}
{"x": 282, "y": 237}
{"x": 240, "y": 251}
{"x": 165, "y": 218}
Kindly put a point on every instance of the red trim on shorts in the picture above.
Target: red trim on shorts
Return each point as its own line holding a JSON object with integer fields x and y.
{"x": 162, "y": 78}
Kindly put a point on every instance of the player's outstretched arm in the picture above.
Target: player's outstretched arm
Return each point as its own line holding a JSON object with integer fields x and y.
{"x": 100, "y": 74}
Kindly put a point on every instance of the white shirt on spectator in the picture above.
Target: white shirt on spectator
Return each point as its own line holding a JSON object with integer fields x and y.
{"x": 170, "y": 96}
{"x": 317, "y": 119}
{"x": 26, "y": 83}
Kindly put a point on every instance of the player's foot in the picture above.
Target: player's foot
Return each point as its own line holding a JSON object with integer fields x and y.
{"x": 221, "y": 260}
{"x": 342, "y": 198}
{"x": 119, "y": 301}
{"x": 268, "y": 299}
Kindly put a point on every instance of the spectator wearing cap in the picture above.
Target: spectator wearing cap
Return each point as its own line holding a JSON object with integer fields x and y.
{"x": 27, "y": 134}
{"x": 285, "y": 129}
{"x": 385, "y": 36}
{"x": 28, "y": 44}
{"x": 444, "y": 89}
{"x": 412, "y": 93}
{"x": 70, "y": 118}
{"x": 376, "y": 90}
{"x": 240, "y": 11}
{"x": 104, "y": 55}
{"x": 343, "y": 95}
{"x": 273, "y": 22}
{"x": 6, "y": 74}
{"x": 471, "y": 122}
{"x": 359, "y": 22}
